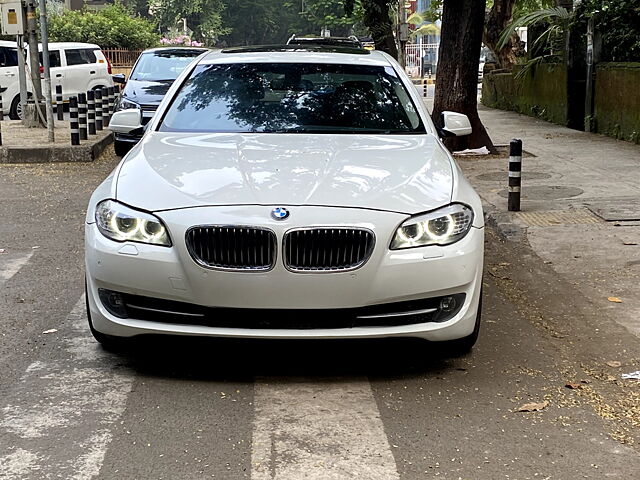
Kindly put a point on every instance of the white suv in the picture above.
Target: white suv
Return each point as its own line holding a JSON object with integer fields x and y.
{"x": 78, "y": 67}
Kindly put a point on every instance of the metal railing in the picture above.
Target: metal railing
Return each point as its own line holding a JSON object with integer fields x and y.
{"x": 120, "y": 57}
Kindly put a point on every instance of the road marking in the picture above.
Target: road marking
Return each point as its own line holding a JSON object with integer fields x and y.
{"x": 58, "y": 419}
{"x": 10, "y": 264}
{"x": 321, "y": 429}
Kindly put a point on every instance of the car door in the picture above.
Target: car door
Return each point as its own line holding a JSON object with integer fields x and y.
{"x": 56, "y": 71}
{"x": 81, "y": 70}
{"x": 9, "y": 84}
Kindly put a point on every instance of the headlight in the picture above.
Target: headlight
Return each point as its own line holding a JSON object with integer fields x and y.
{"x": 440, "y": 227}
{"x": 124, "y": 104}
{"x": 121, "y": 223}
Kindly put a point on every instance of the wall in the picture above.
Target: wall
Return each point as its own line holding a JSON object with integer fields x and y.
{"x": 617, "y": 100}
{"x": 541, "y": 92}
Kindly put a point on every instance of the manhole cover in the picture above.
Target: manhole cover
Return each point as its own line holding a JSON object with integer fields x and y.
{"x": 496, "y": 176}
{"x": 545, "y": 192}
{"x": 557, "y": 217}
{"x": 621, "y": 210}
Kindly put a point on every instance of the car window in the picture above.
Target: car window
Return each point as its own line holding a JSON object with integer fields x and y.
{"x": 8, "y": 57}
{"x": 163, "y": 64}
{"x": 80, "y": 56}
{"x": 292, "y": 98}
{"x": 54, "y": 58}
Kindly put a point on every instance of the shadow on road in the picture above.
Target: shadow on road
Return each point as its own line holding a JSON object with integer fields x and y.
{"x": 234, "y": 359}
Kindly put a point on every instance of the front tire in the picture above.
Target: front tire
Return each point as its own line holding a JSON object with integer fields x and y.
{"x": 121, "y": 148}
{"x": 15, "y": 111}
{"x": 108, "y": 342}
{"x": 464, "y": 345}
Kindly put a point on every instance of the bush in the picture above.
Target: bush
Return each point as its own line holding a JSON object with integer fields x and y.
{"x": 619, "y": 23}
{"x": 111, "y": 27}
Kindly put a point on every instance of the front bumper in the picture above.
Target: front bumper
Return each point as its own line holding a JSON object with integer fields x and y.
{"x": 387, "y": 277}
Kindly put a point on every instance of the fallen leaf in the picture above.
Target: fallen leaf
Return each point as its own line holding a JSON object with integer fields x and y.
{"x": 614, "y": 364}
{"x": 630, "y": 243}
{"x": 2, "y": 250}
{"x": 52, "y": 330}
{"x": 614, "y": 299}
{"x": 533, "y": 406}
{"x": 35, "y": 247}
{"x": 573, "y": 386}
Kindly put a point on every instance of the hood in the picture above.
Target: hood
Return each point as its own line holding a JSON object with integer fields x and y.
{"x": 407, "y": 174}
{"x": 146, "y": 92}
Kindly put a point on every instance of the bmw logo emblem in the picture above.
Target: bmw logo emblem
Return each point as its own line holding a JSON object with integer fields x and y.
{"x": 279, "y": 213}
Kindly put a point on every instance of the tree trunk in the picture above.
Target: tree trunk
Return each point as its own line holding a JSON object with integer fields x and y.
{"x": 457, "y": 73}
{"x": 499, "y": 17}
{"x": 377, "y": 20}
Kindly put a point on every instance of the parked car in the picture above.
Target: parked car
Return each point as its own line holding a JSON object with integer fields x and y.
{"x": 287, "y": 194}
{"x": 151, "y": 76}
{"x": 78, "y": 67}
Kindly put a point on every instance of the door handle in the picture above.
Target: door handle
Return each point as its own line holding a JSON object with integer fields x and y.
{"x": 92, "y": 72}
{"x": 9, "y": 74}
{"x": 58, "y": 75}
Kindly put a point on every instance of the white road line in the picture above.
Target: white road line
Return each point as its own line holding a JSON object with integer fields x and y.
{"x": 57, "y": 422}
{"x": 319, "y": 429}
{"x": 10, "y": 264}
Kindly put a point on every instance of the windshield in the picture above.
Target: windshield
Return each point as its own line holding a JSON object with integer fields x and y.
{"x": 163, "y": 64}
{"x": 292, "y": 98}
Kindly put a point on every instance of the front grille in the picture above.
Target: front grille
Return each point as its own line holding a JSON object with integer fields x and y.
{"x": 146, "y": 107}
{"x": 327, "y": 249}
{"x": 232, "y": 248}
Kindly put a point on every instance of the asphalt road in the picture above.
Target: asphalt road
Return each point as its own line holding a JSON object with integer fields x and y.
{"x": 187, "y": 409}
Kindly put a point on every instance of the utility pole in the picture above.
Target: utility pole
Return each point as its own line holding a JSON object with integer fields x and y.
{"x": 34, "y": 64}
{"x": 44, "y": 36}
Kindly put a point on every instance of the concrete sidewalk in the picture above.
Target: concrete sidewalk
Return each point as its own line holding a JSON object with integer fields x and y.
{"x": 580, "y": 206}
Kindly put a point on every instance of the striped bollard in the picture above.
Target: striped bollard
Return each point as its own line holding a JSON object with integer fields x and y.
{"x": 73, "y": 121}
{"x": 59, "y": 103}
{"x": 111, "y": 92}
{"x": 91, "y": 112}
{"x": 98, "y": 102}
{"x": 82, "y": 115}
{"x": 105, "y": 107}
{"x": 515, "y": 171}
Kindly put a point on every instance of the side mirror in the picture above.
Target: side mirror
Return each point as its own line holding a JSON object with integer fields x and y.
{"x": 126, "y": 121}
{"x": 455, "y": 124}
{"x": 119, "y": 78}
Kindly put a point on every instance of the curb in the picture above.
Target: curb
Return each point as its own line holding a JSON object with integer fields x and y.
{"x": 57, "y": 153}
{"x": 502, "y": 222}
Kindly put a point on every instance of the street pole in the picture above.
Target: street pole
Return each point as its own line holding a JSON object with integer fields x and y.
{"x": 44, "y": 37}
{"x": 32, "y": 38}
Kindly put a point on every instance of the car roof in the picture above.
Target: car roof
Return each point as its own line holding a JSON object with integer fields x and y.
{"x": 297, "y": 54}
{"x": 54, "y": 45}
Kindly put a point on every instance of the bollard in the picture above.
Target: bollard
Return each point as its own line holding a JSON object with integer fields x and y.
{"x": 73, "y": 120}
{"x": 98, "y": 102}
{"x": 59, "y": 103}
{"x": 105, "y": 107}
{"x": 111, "y": 92}
{"x": 82, "y": 115}
{"x": 91, "y": 113}
{"x": 515, "y": 171}
{"x": 1, "y": 118}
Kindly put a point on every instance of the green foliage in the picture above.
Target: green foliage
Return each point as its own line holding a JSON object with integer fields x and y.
{"x": 110, "y": 27}
{"x": 204, "y": 17}
{"x": 619, "y": 23}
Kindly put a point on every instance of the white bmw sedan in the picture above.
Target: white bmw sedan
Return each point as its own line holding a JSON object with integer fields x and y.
{"x": 287, "y": 192}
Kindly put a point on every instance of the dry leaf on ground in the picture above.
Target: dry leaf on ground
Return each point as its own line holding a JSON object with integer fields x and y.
{"x": 573, "y": 386}
{"x": 614, "y": 299}
{"x": 533, "y": 406}
{"x": 614, "y": 364}
{"x": 630, "y": 243}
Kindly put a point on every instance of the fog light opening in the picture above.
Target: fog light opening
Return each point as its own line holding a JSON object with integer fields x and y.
{"x": 448, "y": 304}
{"x": 113, "y": 302}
